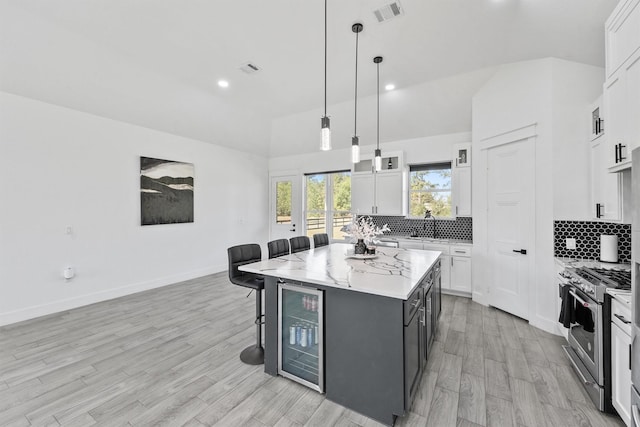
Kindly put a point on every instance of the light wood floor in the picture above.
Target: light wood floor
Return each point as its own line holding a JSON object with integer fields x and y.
{"x": 170, "y": 357}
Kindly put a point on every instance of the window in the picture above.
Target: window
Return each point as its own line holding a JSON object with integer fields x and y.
{"x": 327, "y": 203}
{"x": 430, "y": 189}
{"x": 283, "y": 202}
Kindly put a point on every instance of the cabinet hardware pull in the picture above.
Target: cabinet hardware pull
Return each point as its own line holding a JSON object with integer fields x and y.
{"x": 630, "y": 358}
{"x": 598, "y": 210}
{"x": 616, "y": 148}
{"x": 622, "y": 319}
{"x": 460, "y": 252}
{"x": 621, "y": 156}
{"x": 520, "y": 251}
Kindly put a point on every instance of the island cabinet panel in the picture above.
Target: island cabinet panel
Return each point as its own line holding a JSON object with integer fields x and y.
{"x": 364, "y": 353}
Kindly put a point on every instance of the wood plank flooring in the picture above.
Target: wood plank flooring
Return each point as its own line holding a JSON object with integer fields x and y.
{"x": 170, "y": 357}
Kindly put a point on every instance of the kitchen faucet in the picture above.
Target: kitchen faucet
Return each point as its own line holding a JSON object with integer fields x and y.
{"x": 428, "y": 215}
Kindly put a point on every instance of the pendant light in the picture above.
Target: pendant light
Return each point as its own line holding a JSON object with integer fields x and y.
{"x": 325, "y": 133}
{"x": 378, "y": 154}
{"x": 355, "y": 141}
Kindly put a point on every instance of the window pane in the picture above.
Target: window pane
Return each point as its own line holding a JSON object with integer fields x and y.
{"x": 316, "y": 192}
{"x": 340, "y": 220}
{"x": 283, "y": 202}
{"x": 341, "y": 191}
{"x": 316, "y": 223}
{"x": 438, "y": 202}
{"x": 435, "y": 179}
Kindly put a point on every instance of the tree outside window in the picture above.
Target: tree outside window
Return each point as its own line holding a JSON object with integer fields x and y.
{"x": 430, "y": 189}
{"x": 328, "y": 203}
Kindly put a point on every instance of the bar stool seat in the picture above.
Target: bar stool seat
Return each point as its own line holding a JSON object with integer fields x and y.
{"x": 238, "y": 256}
{"x": 320, "y": 239}
{"x": 299, "y": 244}
{"x": 278, "y": 248}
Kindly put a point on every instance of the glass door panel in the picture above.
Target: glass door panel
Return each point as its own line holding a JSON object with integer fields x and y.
{"x": 300, "y": 352}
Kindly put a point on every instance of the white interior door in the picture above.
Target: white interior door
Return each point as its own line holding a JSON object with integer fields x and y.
{"x": 511, "y": 225}
{"x": 285, "y": 206}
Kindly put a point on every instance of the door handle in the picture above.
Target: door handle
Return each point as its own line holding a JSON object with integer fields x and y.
{"x": 292, "y": 229}
{"x": 520, "y": 251}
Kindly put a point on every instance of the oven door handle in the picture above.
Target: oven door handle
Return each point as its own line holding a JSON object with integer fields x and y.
{"x": 580, "y": 300}
{"x": 636, "y": 415}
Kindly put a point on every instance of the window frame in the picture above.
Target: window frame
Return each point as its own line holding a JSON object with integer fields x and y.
{"x": 430, "y": 166}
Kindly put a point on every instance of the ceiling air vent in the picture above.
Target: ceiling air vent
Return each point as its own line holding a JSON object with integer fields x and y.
{"x": 249, "y": 68}
{"x": 388, "y": 12}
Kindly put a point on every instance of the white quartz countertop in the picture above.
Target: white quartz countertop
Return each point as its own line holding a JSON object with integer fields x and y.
{"x": 394, "y": 272}
{"x": 577, "y": 262}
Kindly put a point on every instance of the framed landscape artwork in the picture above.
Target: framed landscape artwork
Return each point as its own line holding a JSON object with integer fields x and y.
{"x": 166, "y": 191}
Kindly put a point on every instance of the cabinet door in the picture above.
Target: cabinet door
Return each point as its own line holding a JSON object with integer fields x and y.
{"x": 389, "y": 193}
{"x": 633, "y": 102}
{"x": 362, "y": 194}
{"x": 615, "y": 100}
{"x": 620, "y": 372}
{"x": 461, "y": 274}
{"x": 461, "y": 192}
{"x": 606, "y": 187}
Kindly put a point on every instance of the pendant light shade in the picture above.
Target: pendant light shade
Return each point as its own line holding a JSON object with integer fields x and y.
{"x": 378, "y": 154}
{"x": 355, "y": 149}
{"x": 355, "y": 141}
{"x": 325, "y": 132}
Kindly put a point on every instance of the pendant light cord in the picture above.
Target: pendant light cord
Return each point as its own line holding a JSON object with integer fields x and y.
{"x": 378, "y": 118}
{"x": 355, "y": 115}
{"x": 325, "y": 58}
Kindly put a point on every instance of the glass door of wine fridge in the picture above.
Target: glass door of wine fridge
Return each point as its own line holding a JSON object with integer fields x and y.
{"x": 300, "y": 335}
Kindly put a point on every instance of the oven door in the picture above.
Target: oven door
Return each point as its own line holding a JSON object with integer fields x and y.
{"x": 585, "y": 335}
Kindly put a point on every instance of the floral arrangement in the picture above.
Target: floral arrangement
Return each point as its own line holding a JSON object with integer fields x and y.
{"x": 364, "y": 228}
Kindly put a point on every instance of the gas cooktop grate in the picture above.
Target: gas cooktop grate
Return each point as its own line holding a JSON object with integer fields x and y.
{"x": 613, "y": 278}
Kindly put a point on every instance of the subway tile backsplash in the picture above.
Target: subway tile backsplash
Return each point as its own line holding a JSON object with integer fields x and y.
{"x": 459, "y": 228}
{"x": 587, "y": 235}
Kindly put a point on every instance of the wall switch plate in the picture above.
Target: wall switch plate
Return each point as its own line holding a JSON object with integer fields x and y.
{"x": 571, "y": 243}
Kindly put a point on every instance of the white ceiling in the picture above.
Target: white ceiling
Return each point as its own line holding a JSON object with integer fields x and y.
{"x": 155, "y": 63}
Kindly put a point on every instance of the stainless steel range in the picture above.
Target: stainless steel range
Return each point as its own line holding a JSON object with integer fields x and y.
{"x": 586, "y": 311}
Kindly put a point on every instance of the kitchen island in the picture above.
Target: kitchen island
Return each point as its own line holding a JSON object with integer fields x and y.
{"x": 366, "y": 323}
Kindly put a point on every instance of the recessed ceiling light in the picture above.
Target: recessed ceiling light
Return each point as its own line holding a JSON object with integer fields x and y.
{"x": 223, "y": 83}
{"x": 390, "y": 86}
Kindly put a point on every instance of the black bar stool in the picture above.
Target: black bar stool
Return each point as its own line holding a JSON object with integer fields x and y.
{"x": 278, "y": 248}
{"x": 299, "y": 244}
{"x": 320, "y": 239}
{"x": 241, "y": 255}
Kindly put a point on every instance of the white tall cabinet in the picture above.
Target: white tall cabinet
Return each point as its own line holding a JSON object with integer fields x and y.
{"x": 606, "y": 187}
{"x": 620, "y": 359}
{"x": 461, "y": 180}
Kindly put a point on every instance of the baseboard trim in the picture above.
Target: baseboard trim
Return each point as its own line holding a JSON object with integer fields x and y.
{"x": 545, "y": 324}
{"x": 82, "y": 300}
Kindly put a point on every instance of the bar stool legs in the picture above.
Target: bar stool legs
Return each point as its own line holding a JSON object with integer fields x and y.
{"x": 254, "y": 354}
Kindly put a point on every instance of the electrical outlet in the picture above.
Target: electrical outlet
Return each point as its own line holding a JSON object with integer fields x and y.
{"x": 570, "y": 243}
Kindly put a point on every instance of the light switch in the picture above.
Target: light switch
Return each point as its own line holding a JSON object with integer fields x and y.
{"x": 571, "y": 243}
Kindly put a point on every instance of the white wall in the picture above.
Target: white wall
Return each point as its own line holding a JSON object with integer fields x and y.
{"x": 552, "y": 94}
{"x": 433, "y": 108}
{"x": 65, "y": 168}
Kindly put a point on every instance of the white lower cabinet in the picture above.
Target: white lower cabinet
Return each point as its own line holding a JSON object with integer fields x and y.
{"x": 620, "y": 360}
{"x": 455, "y": 264}
{"x": 460, "y": 268}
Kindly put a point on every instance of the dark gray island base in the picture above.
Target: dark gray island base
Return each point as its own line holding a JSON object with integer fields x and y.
{"x": 372, "y": 360}
{"x": 359, "y": 330}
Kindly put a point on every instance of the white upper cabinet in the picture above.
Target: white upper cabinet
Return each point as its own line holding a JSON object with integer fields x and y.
{"x": 378, "y": 193}
{"x": 622, "y": 87}
{"x": 461, "y": 180}
{"x": 622, "y": 35}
